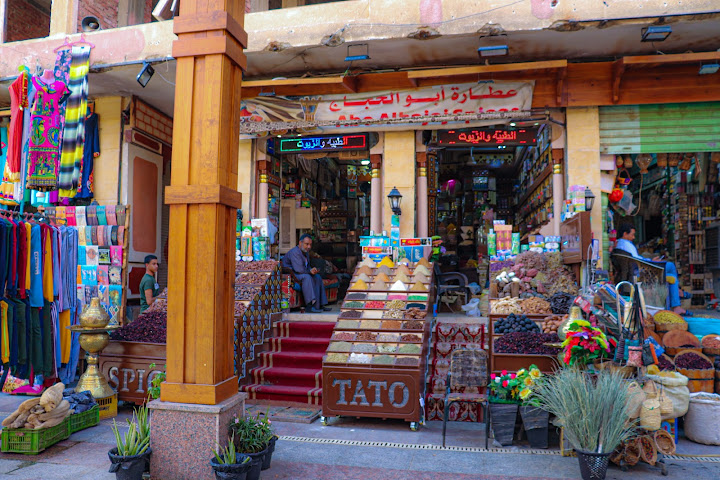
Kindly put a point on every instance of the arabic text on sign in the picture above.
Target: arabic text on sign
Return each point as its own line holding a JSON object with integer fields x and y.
{"x": 309, "y": 144}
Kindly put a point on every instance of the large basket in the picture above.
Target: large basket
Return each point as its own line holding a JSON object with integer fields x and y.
{"x": 80, "y": 421}
{"x": 709, "y": 350}
{"x": 31, "y": 441}
{"x": 593, "y": 466}
{"x": 664, "y": 442}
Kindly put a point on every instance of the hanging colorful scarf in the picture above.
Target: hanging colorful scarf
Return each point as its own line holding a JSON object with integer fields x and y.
{"x": 62, "y": 73}
{"x": 45, "y": 135}
{"x": 74, "y": 134}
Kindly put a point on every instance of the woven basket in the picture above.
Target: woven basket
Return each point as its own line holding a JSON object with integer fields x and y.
{"x": 664, "y": 442}
{"x": 648, "y": 451}
{"x": 650, "y": 418}
{"x": 673, "y": 351}
{"x": 668, "y": 327}
{"x": 709, "y": 350}
{"x": 666, "y": 404}
{"x": 632, "y": 452}
{"x": 636, "y": 397}
{"x": 678, "y": 338}
{"x": 650, "y": 389}
{"x": 625, "y": 371}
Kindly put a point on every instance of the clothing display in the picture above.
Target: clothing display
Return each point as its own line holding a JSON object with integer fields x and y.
{"x": 38, "y": 284}
{"x": 45, "y": 134}
{"x": 45, "y": 161}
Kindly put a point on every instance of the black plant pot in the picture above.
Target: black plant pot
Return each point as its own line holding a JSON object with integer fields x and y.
{"x": 593, "y": 466}
{"x": 502, "y": 421}
{"x": 130, "y": 467}
{"x": 256, "y": 460}
{"x": 268, "y": 455}
{"x": 234, "y": 471}
{"x": 535, "y": 421}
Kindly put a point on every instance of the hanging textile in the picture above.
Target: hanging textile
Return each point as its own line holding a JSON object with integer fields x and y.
{"x": 62, "y": 73}
{"x": 90, "y": 152}
{"x": 18, "y": 102}
{"x": 74, "y": 132}
{"x": 45, "y": 135}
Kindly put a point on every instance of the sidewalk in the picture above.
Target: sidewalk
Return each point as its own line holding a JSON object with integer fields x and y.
{"x": 353, "y": 449}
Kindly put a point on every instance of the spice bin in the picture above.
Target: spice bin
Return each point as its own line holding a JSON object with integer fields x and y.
{"x": 376, "y": 361}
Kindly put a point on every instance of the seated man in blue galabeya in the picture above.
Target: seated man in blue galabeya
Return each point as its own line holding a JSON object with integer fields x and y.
{"x": 298, "y": 259}
{"x": 626, "y": 236}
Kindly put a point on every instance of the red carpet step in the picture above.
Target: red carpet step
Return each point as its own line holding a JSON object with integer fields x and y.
{"x": 292, "y": 370}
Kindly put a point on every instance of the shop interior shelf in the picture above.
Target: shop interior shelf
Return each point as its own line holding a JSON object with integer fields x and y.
{"x": 514, "y": 361}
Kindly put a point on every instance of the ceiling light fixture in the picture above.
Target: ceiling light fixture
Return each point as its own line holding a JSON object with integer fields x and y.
{"x": 145, "y": 74}
{"x": 493, "y": 51}
{"x": 358, "y": 56}
{"x": 656, "y": 33}
{"x": 709, "y": 68}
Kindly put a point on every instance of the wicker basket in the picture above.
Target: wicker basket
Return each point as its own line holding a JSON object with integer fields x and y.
{"x": 709, "y": 350}
{"x": 648, "y": 451}
{"x": 668, "y": 327}
{"x": 632, "y": 452}
{"x": 664, "y": 442}
{"x": 678, "y": 338}
{"x": 699, "y": 380}
{"x": 673, "y": 351}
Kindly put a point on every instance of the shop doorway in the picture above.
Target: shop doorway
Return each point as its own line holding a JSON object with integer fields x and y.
{"x": 479, "y": 177}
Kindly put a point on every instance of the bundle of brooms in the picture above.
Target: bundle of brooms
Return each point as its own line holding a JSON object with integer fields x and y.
{"x": 45, "y": 411}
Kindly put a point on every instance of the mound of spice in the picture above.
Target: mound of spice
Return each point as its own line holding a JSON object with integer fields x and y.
{"x": 339, "y": 347}
{"x": 408, "y": 337}
{"x": 351, "y": 314}
{"x": 409, "y": 348}
{"x": 664, "y": 363}
{"x": 386, "y": 348}
{"x": 150, "y": 327}
{"x": 344, "y": 336}
{"x": 415, "y": 313}
{"x": 527, "y": 343}
{"x": 393, "y": 314}
{"x": 261, "y": 266}
{"x": 395, "y": 304}
{"x": 336, "y": 358}
{"x": 252, "y": 278}
{"x": 246, "y": 293}
{"x": 392, "y": 325}
{"x": 374, "y": 304}
{"x": 406, "y": 361}
{"x": 413, "y": 325}
{"x": 355, "y": 296}
{"x": 367, "y": 336}
{"x": 353, "y": 304}
{"x": 383, "y": 360}
{"x": 692, "y": 361}
{"x": 388, "y": 337}
{"x": 364, "y": 348}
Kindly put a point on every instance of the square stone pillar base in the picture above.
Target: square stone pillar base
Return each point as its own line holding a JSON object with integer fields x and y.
{"x": 182, "y": 436}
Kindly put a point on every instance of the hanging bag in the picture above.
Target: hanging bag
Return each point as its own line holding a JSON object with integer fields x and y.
{"x": 650, "y": 418}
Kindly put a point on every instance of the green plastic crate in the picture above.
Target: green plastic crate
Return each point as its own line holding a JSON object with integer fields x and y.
{"x": 80, "y": 421}
{"x": 32, "y": 442}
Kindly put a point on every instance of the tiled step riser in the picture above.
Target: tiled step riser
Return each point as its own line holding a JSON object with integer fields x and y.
{"x": 312, "y": 400}
{"x": 298, "y": 344}
{"x": 266, "y": 376}
{"x": 304, "y": 330}
{"x": 281, "y": 359}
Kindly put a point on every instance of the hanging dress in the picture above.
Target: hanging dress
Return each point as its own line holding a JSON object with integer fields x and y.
{"x": 45, "y": 135}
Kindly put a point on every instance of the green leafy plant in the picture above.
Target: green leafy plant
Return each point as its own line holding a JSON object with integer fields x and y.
{"x": 251, "y": 434}
{"x": 592, "y": 410}
{"x": 529, "y": 383}
{"x": 137, "y": 438}
{"x": 228, "y": 455}
{"x": 154, "y": 390}
{"x": 133, "y": 443}
{"x": 504, "y": 388}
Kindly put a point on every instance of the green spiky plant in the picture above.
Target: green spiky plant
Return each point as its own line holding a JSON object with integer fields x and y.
{"x": 251, "y": 434}
{"x": 137, "y": 438}
{"x": 592, "y": 411}
{"x": 228, "y": 455}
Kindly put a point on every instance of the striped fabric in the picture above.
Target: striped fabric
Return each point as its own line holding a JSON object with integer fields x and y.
{"x": 73, "y": 140}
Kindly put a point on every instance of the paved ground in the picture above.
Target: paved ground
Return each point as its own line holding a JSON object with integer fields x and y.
{"x": 315, "y": 452}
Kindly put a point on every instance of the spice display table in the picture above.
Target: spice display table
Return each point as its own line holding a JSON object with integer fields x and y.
{"x": 376, "y": 363}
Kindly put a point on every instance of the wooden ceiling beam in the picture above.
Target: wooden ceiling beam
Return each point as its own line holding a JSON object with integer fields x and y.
{"x": 488, "y": 69}
{"x": 646, "y": 61}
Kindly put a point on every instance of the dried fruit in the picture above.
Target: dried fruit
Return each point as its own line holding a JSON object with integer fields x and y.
{"x": 527, "y": 343}
{"x": 692, "y": 361}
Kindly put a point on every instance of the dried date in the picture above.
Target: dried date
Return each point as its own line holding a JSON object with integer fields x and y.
{"x": 527, "y": 343}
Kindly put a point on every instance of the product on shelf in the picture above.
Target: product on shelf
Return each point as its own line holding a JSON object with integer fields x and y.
{"x": 535, "y": 306}
{"x": 419, "y": 287}
{"x": 515, "y": 323}
{"x": 560, "y": 302}
{"x": 552, "y": 323}
{"x": 359, "y": 285}
{"x": 379, "y": 286}
{"x": 506, "y": 306}
{"x": 527, "y": 343}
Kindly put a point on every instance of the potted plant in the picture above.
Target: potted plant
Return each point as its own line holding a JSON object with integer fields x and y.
{"x": 593, "y": 411}
{"x": 504, "y": 400}
{"x": 228, "y": 464}
{"x": 535, "y": 419}
{"x": 252, "y": 436}
{"x": 132, "y": 455}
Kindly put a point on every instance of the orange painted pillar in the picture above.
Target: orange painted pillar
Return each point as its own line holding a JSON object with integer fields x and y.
{"x": 203, "y": 201}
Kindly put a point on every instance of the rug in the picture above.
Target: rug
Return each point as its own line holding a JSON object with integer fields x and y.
{"x": 285, "y": 414}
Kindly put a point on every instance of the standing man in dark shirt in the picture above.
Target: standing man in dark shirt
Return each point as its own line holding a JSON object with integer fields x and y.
{"x": 298, "y": 259}
{"x": 149, "y": 289}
